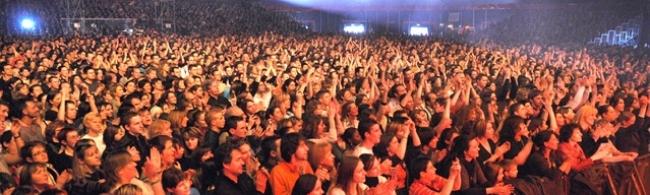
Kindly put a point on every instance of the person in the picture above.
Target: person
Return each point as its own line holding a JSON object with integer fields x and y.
{"x": 10, "y": 155}
{"x": 308, "y": 184}
{"x": 36, "y": 176}
{"x": 68, "y": 137}
{"x": 26, "y": 111}
{"x": 230, "y": 163}
{"x": 86, "y": 170}
{"x": 95, "y": 130}
{"x": 350, "y": 179}
{"x": 175, "y": 183}
{"x": 426, "y": 181}
{"x": 370, "y": 132}
{"x": 120, "y": 169}
{"x": 294, "y": 152}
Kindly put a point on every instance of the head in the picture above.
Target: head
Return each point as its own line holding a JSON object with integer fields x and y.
{"x": 293, "y": 148}
{"x": 570, "y": 134}
{"x": 586, "y": 115}
{"x": 422, "y": 169}
{"x": 119, "y": 168}
{"x": 174, "y": 182}
{"x": 351, "y": 173}
{"x": 370, "y": 131}
{"x": 229, "y": 160}
{"x": 308, "y": 184}
{"x": 86, "y": 159}
{"x": 132, "y": 122}
{"x": 34, "y": 152}
{"x": 236, "y": 126}
{"x": 320, "y": 155}
{"x": 35, "y": 175}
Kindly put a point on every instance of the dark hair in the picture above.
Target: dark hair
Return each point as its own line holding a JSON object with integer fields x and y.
{"x": 381, "y": 149}
{"x": 368, "y": 161}
{"x": 26, "y": 151}
{"x": 304, "y": 185}
{"x": 364, "y": 126}
{"x": 231, "y": 122}
{"x": 6, "y": 181}
{"x": 541, "y": 138}
{"x": 419, "y": 165}
{"x": 289, "y": 145}
{"x": 63, "y": 134}
{"x": 6, "y": 137}
{"x": 510, "y": 128}
{"x": 126, "y": 118}
{"x": 171, "y": 177}
{"x": 567, "y": 131}
{"x": 268, "y": 146}
{"x": 223, "y": 155}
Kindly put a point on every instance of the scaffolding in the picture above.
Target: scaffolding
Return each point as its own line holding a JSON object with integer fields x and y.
{"x": 165, "y": 15}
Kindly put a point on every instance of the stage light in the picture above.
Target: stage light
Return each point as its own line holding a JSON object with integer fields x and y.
{"x": 354, "y": 28}
{"x": 27, "y": 24}
{"x": 418, "y": 31}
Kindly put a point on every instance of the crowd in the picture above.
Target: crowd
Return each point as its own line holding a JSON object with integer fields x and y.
{"x": 315, "y": 114}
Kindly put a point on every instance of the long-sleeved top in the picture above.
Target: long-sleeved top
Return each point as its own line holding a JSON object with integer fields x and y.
{"x": 574, "y": 151}
{"x": 284, "y": 177}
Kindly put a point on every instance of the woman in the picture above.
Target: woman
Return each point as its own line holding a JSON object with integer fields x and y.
{"x": 515, "y": 132}
{"x": 307, "y": 184}
{"x": 216, "y": 121}
{"x": 350, "y": 178}
{"x": 36, "y": 176}
{"x": 570, "y": 150}
{"x": 121, "y": 170}
{"x": 474, "y": 180}
{"x": 489, "y": 152}
{"x": 191, "y": 143}
{"x": 86, "y": 171}
{"x": 321, "y": 160}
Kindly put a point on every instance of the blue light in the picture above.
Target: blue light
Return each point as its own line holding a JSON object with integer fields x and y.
{"x": 27, "y": 24}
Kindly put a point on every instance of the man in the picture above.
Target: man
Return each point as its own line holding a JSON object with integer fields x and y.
{"x": 426, "y": 181}
{"x": 134, "y": 136}
{"x": 370, "y": 132}
{"x": 293, "y": 151}
{"x": 26, "y": 111}
{"x": 235, "y": 129}
{"x": 68, "y": 138}
{"x": 231, "y": 163}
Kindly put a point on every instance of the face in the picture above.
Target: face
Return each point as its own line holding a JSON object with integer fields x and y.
{"x": 167, "y": 154}
{"x": 576, "y": 136}
{"x": 236, "y": 165}
{"x": 31, "y": 109}
{"x": 4, "y": 112}
{"x": 135, "y": 125}
{"x": 39, "y": 154}
{"x": 511, "y": 171}
{"x": 374, "y": 133}
{"x": 182, "y": 188}
{"x": 218, "y": 120}
{"x": 552, "y": 143}
{"x": 95, "y": 124}
{"x": 393, "y": 146}
{"x": 302, "y": 151}
{"x": 92, "y": 157}
{"x": 128, "y": 172}
{"x": 429, "y": 173}
{"x": 192, "y": 143}
{"x": 472, "y": 151}
{"x": 359, "y": 175}
{"x": 72, "y": 138}
{"x": 40, "y": 176}
{"x": 240, "y": 131}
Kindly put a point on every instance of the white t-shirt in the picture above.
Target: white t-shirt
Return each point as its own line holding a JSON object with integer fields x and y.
{"x": 99, "y": 142}
{"x": 359, "y": 150}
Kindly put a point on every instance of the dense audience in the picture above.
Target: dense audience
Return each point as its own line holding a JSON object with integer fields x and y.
{"x": 273, "y": 114}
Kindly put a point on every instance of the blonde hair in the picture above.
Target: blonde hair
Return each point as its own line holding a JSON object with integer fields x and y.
{"x": 583, "y": 112}
{"x": 176, "y": 117}
{"x": 157, "y": 127}
{"x": 128, "y": 189}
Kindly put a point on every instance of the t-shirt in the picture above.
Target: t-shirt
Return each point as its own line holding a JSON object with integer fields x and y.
{"x": 359, "y": 150}
{"x": 99, "y": 142}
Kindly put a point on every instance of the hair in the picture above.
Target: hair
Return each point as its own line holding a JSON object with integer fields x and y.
{"x": 157, "y": 126}
{"x": 63, "y": 134}
{"x": 231, "y": 122}
{"x": 304, "y": 185}
{"x": 317, "y": 153}
{"x": 542, "y": 137}
{"x": 176, "y": 117}
{"x": 583, "y": 112}
{"x": 79, "y": 168}
{"x": 567, "y": 131}
{"x": 6, "y": 181}
{"x": 113, "y": 163}
{"x": 418, "y": 166}
{"x": 171, "y": 177}
{"x": 381, "y": 149}
{"x": 223, "y": 155}
{"x": 211, "y": 115}
{"x": 510, "y": 128}
{"x": 268, "y": 145}
{"x": 28, "y": 170}
{"x": 26, "y": 151}
{"x": 90, "y": 116}
{"x": 126, "y": 118}
{"x": 289, "y": 145}
{"x": 128, "y": 189}
{"x": 368, "y": 161}
{"x": 346, "y": 171}
{"x": 309, "y": 128}
{"x": 364, "y": 126}
{"x": 6, "y": 137}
